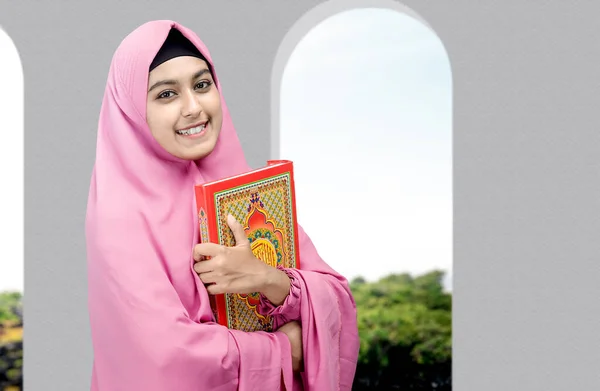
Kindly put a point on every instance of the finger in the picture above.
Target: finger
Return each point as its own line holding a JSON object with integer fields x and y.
{"x": 214, "y": 289}
{"x": 202, "y": 250}
{"x": 238, "y": 232}
{"x": 208, "y": 277}
{"x": 205, "y": 266}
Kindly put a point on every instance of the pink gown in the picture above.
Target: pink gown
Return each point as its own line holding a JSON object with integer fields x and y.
{"x": 151, "y": 322}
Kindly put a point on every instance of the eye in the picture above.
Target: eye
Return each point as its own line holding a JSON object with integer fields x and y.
{"x": 203, "y": 85}
{"x": 165, "y": 95}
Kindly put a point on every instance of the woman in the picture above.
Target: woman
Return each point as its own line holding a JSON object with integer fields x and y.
{"x": 163, "y": 128}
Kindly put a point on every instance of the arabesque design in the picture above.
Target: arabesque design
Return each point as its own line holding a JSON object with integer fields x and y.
{"x": 265, "y": 211}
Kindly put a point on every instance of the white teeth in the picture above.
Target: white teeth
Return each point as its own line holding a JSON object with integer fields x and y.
{"x": 191, "y": 131}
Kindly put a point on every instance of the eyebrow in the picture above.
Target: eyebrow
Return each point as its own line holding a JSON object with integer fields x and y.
{"x": 174, "y": 82}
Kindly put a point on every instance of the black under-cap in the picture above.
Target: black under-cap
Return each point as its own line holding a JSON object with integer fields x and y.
{"x": 176, "y": 45}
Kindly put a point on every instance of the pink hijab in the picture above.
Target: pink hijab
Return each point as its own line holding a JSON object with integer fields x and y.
{"x": 152, "y": 327}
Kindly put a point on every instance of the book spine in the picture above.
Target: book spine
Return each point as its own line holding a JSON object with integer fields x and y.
{"x": 294, "y": 216}
{"x": 205, "y": 209}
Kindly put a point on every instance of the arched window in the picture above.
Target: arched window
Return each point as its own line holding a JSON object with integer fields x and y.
{"x": 365, "y": 112}
{"x": 11, "y": 165}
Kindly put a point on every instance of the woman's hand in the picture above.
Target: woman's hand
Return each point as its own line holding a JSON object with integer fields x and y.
{"x": 237, "y": 270}
{"x": 293, "y": 330}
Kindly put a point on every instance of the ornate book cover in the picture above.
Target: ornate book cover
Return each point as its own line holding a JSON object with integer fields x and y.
{"x": 264, "y": 202}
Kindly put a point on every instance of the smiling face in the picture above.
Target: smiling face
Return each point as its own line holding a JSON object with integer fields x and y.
{"x": 184, "y": 107}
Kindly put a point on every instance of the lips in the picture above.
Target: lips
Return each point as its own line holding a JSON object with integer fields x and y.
{"x": 192, "y": 130}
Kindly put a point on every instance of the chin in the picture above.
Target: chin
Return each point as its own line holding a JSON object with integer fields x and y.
{"x": 196, "y": 153}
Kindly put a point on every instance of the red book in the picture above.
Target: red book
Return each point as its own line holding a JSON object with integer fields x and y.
{"x": 264, "y": 202}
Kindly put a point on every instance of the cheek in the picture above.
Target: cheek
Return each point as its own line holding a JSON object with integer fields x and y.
{"x": 215, "y": 107}
{"x": 159, "y": 121}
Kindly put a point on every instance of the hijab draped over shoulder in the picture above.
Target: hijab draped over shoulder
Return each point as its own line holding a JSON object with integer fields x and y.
{"x": 151, "y": 322}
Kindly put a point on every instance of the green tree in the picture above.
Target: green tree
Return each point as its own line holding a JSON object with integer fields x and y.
{"x": 11, "y": 343}
{"x": 10, "y": 307}
{"x": 405, "y": 331}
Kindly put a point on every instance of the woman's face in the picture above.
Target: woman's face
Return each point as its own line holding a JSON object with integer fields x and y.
{"x": 184, "y": 107}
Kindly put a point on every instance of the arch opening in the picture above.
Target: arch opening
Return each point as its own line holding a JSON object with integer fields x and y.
{"x": 362, "y": 103}
{"x": 12, "y": 165}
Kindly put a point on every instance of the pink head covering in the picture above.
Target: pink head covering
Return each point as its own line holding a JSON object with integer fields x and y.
{"x": 152, "y": 327}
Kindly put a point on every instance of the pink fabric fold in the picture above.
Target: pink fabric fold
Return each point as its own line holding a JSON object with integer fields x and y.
{"x": 321, "y": 300}
{"x": 289, "y": 310}
{"x": 151, "y": 322}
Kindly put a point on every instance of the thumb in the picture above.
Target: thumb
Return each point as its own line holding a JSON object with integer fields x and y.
{"x": 238, "y": 232}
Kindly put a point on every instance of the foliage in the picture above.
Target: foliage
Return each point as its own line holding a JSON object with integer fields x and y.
{"x": 10, "y": 307}
{"x": 405, "y": 328}
{"x": 11, "y": 341}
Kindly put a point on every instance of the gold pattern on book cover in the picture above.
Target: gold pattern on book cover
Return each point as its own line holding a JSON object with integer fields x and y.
{"x": 264, "y": 209}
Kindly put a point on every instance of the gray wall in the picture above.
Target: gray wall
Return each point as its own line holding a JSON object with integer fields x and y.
{"x": 526, "y": 168}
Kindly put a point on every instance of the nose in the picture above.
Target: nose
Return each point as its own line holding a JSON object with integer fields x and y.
{"x": 191, "y": 106}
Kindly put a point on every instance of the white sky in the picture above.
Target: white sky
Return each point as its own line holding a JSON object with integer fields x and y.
{"x": 11, "y": 166}
{"x": 365, "y": 115}
{"x": 366, "y": 118}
